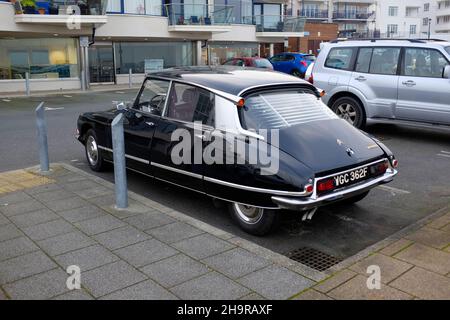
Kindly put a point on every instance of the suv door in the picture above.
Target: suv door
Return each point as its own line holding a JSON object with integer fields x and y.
{"x": 175, "y": 159}
{"x": 336, "y": 72}
{"x": 376, "y": 77}
{"x": 423, "y": 93}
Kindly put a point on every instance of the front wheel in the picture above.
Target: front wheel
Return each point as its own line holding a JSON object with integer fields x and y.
{"x": 350, "y": 110}
{"x": 93, "y": 154}
{"x": 253, "y": 220}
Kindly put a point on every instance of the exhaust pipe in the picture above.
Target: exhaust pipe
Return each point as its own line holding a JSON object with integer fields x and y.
{"x": 307, "y": 216}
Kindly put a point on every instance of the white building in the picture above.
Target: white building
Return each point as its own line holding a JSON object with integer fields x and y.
{"x": 134, "y": 35}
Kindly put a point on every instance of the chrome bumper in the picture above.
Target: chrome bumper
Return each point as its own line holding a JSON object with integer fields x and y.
{"x": 317, "y": 201}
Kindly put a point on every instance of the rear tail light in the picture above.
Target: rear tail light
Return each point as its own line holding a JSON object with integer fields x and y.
{"x": 380, "y": 168}
{"x": 309, "y": 188}
{"x": 325, "y": 185}
{"x": 311, "y": 79}
{"x": 304, "y": 63}
{"x": 395, "y": 163}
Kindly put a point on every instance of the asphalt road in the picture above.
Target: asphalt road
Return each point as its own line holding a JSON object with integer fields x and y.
{"x": 422, "y": 186}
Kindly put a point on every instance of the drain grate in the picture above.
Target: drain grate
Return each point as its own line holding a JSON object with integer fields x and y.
{"x": 313, "y": 258}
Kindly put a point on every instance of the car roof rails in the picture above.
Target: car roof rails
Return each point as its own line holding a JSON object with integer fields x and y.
{"x": 378, "y": 39}
{"x": 432, "y": 39}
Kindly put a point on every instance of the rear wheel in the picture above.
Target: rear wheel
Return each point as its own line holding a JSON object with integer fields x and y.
{"x": 350, "y": 110}
{"x": 354, "y": 199}
{"x": 253, "y": 220}
{"x": 93, "y": 154}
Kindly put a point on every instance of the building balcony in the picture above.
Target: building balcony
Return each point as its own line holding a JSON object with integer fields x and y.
{"x": 68, "y": 12}
{"x": 442, "y": 27}
{"x": 277, "y": 25}
{"x": 352, "y": 15}
{"x": 313, "y": 14}
{"x": 199, "y": 17}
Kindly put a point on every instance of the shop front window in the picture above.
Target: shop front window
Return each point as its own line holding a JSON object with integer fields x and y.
{"x": 41, "y": 58}
{"x": 132, "y": 55}
{"x": 219, "y": 53}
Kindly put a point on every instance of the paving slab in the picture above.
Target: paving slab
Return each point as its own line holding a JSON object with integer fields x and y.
{"x": 390, "y": 268}
{"x": 14, "y": 197}
{"x": 76, "y": 294}
{"x": 335, "y": 280}
{"x": 33, "y": 218}
{"x": 66, "y": 242}
{"x": 105, "y": 200}
{"x": 2, "y": 295}
{"x": 3, "y": 220}
{"x": 202, "y": 246}
{"x": 174, "y": 232}
{"x": 149, "y": 220}
{"x": 252, "y": 296}
{"x": 144, "y": 253}
{"x": 121, "y": 237}
{"x": 424, "y": 284}
{"x": 431, "y": 237}
{"x": 82, "y": 213}
{"x": 92, "y": 192}
{"x": 42, "y": 286}
{"x": 356, "y": 289}
{"x": 147, "y": 290}
{"x": 87, "y": 258}
{"x": 426, "y": 257}
{"x": 43, "y": 188}
{"x": 211, "y": 286}
{"x": 9, "y": 231}
{"x": 66, "y": 204}
{"x": 111, "y": 277}
{"x": 21, "y": 207}
{"x": 312, "y": 294}
{"x": 396, "y": 247}
{"x": 24, "y": 266}
{"x": 275, "y": 282}
{"x": 440, "y": 222}
{"x": 16, "y": 247}
{"x": 175, "y": 270}
{"x": 53, "y": 195}
{"x": 236, "y": 263}
{"x": 99, "y": 224}
{"x": 80, "y": 184}
{"x": 48, "y": 229}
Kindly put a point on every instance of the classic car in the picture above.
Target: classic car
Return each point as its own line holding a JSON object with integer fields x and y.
{"x": 320, "y": 159}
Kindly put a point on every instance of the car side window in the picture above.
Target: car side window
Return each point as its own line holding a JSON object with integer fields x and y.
{"x": 424, "y": 63}
{"x": 289, "y": 57}
{"x": 153, "y": 96}
{"x": 385, "y": 61}
{"x": 189, "y": 103}
{"x": 363, "y": 60}
{"x": 276, "y": 58}
{"x": 229, "y": 62}
{"x": 339, "y": 58}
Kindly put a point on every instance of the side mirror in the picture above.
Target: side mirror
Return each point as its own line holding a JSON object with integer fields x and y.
{"x": 446, "y": 73}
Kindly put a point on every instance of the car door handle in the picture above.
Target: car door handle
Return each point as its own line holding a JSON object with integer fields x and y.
{"x": 409, "y": 83}
{"x": 150, "y": 124}
{"x": 361, "y": 78}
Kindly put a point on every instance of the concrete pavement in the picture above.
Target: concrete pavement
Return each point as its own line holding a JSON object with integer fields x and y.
{"x": 49, "y": 222}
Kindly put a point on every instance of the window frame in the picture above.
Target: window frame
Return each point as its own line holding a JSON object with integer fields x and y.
{"x": 403, "y": 63}
{"x": 400, "y": 59}
{"x": 352, "y": 62}
{"x": 394, "y": 10}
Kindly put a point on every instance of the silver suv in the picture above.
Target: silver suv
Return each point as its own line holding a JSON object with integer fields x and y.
{"x": 385, "y": 79}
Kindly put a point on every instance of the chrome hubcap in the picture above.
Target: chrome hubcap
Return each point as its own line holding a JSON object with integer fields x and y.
{"x": 347, "y": 112}
{"x": 249, "y": 214}
{"x": 92, "y": 150}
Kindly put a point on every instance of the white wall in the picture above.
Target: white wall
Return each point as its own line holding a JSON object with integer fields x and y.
{"x": 14, "y": 86}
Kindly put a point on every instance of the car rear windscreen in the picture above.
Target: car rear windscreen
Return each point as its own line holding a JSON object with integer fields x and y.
{"x": 310, "y": 58}
{"x": 279, "y": 109}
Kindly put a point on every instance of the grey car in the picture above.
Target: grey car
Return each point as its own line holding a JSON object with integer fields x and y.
{"x": 403, "y": 80}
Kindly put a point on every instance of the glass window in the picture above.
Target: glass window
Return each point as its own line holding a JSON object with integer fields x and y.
{"x": 134, "y": 6}
{"x": 448, "y": 49}
{"x": 424, "y": 63}
{"x": 219, "y": 52}
{"x": 153, "y": 96}
{"x": 392, "y": 29}
{"x": 412, "y": 29}
{"x": 339, "y": 58}
{"x": 393, "y": 11}
{"x": 231, "y": 62}
{"x": 363, "y": 61}
{"x": 385, "y": 61}
{"x": 426, "y": 7}
{"x": 133, "y": 55}
{"x": 42, "y": 58}
{"x": 188, "y": 103}
{"x": 279, "y": 109}
{"x": 114, "y": 6}
{"x": 262, "y": 63}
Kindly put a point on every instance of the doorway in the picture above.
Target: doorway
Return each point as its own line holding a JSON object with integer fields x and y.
{"x": 101, "y": 64}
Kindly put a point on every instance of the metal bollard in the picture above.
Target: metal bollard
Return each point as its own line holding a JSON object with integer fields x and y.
{"x": 27, "y": 83}
{"x": 130, "y": 76}
{"x": 41, "y": 124}
{"x": 120, "y": 174}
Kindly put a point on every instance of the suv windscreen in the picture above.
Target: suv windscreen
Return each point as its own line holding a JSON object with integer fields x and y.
{"x": 283, "y": 108}
{"x": 448, "y": 50}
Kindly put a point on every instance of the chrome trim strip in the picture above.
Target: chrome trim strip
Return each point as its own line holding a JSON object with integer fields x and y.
{"x": 254, "y": 189}
{"x": 300, "y": 82}
{"x": 126, "y": 155}
{"x": 194, "y": 175}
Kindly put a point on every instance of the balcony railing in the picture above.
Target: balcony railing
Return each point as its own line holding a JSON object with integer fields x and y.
{"x": 313, "y": 14}
{"x": 65, "y": 7}
{"x": 199, "y": 14}
{"x": 353, "y": 15}
{"x": 276, "y": 23}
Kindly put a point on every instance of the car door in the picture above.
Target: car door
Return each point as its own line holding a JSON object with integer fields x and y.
{"x": 178, "y": 141}
{"x": 423, "y": 92}
{"x": 140, "y": 123}
{"x": 375, "y": 77}
{"x": 287, "y": 63}
{"x": 275, "y": 61}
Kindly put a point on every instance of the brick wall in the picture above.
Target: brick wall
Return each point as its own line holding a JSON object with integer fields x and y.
{"x": 318, "y": 32}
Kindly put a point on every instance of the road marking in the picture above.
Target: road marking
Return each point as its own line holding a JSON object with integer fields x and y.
{"x": 446, "y": 152}
{"x": 443, "y": 155}
{"x": 67, "y": 96}
{"x": 393, "y": 190}
{"x": 6, "y": 100}
{"x": 120, "y": 92}
{"x": 52, "y": 109}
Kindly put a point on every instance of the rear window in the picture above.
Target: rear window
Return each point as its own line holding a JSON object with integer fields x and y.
{"x": 339, "y": 58}
{"x": 279, "y": 109}
{"x": 448, "y": 50}
{"x": 262, "y": 63}
{"x": 310, "y": 58}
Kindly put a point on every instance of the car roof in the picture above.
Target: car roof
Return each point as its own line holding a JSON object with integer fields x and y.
{"x": 391, "y": 42}
{"x": 227, "y": 79}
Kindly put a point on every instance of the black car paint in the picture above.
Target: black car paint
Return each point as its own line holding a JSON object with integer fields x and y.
{"x": 306, "y": 151}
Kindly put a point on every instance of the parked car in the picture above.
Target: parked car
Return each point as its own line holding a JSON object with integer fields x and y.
{"x": 292, "y": 63}
{"x": 386, "y": 80}
{"x": 254, "y": 62}
{"x": 321, "y": 158}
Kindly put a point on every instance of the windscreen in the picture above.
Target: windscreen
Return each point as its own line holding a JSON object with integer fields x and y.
{"x": 279, "y": 109}
{"x": 448, "y": 50}
{"x": 310, "y": 58}
{"x": 263, "y": 63}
